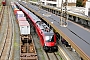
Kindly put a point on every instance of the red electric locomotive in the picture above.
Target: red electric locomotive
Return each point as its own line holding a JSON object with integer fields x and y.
{"x": 4, "y": 2}
{"x": 47, "y": 37}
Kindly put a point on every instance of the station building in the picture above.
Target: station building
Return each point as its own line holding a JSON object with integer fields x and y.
{"x": 57, "y": 3}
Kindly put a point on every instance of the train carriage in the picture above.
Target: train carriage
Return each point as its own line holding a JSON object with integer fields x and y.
{"x": 22, "y": 19}
{"x": 15, "y": 10}
{"x": 24, "y": 31}
{"x": 19, "y": 14}
{"x": 27, "y": 47}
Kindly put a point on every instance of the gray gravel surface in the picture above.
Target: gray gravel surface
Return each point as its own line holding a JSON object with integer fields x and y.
{"x": 16, "y": 53}
{"x": 3, "y": 28}
{"x": 38, "y": 46}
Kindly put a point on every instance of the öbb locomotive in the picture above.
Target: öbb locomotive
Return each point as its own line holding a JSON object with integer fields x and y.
{"x": 46, "y": 35}
{"x": 3, "y": 2}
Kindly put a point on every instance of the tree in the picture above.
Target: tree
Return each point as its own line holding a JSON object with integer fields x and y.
{"x": 79, "y": 3}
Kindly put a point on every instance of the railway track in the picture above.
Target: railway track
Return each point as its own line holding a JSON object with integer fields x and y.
{"x": 1, "y": 16}
{"x": 6, "y": 40}
{"x": 53, "y": 56}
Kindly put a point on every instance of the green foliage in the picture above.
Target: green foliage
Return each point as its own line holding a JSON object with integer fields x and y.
{"x": 79, "y": 3}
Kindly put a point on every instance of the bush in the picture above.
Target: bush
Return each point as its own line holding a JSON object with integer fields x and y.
{"x": 79, "y": 4}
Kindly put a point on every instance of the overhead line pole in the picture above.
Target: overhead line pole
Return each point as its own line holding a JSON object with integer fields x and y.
{"x": 66, "y": 16}
{"x": 63, "y": 17}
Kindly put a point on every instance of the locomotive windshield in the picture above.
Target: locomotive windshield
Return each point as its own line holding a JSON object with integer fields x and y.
{"x": 49, "y": 38}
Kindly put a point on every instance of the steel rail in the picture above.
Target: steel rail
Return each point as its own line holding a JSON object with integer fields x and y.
{"x": 6, "y": 48}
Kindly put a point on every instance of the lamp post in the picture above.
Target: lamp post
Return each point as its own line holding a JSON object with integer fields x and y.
{"x": 63, "y": 17}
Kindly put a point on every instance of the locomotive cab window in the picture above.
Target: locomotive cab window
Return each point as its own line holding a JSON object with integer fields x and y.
{"x": 49, "y": 38}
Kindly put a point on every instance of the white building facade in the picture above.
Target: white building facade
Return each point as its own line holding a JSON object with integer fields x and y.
{"x": 57, "y": 3}
{"x": 87, "y": 8}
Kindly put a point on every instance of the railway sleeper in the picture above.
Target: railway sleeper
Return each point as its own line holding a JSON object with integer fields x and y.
{"x": 28, "y": 52}
{"x": 23, "y": 49}
{"x": 31, "y": 48}
{"x": 28, "y": 56}
{"x": 26, "y": 38}
{"x": 27, "y": 48}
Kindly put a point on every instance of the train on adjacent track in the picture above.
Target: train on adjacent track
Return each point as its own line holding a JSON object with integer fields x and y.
{"x": 3, "y": 2}
{"x": 27, "y": 47}
{"x": 46, "y": 34}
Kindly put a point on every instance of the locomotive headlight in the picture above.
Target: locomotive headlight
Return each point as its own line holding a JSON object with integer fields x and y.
{"x": 45, "y": 44}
